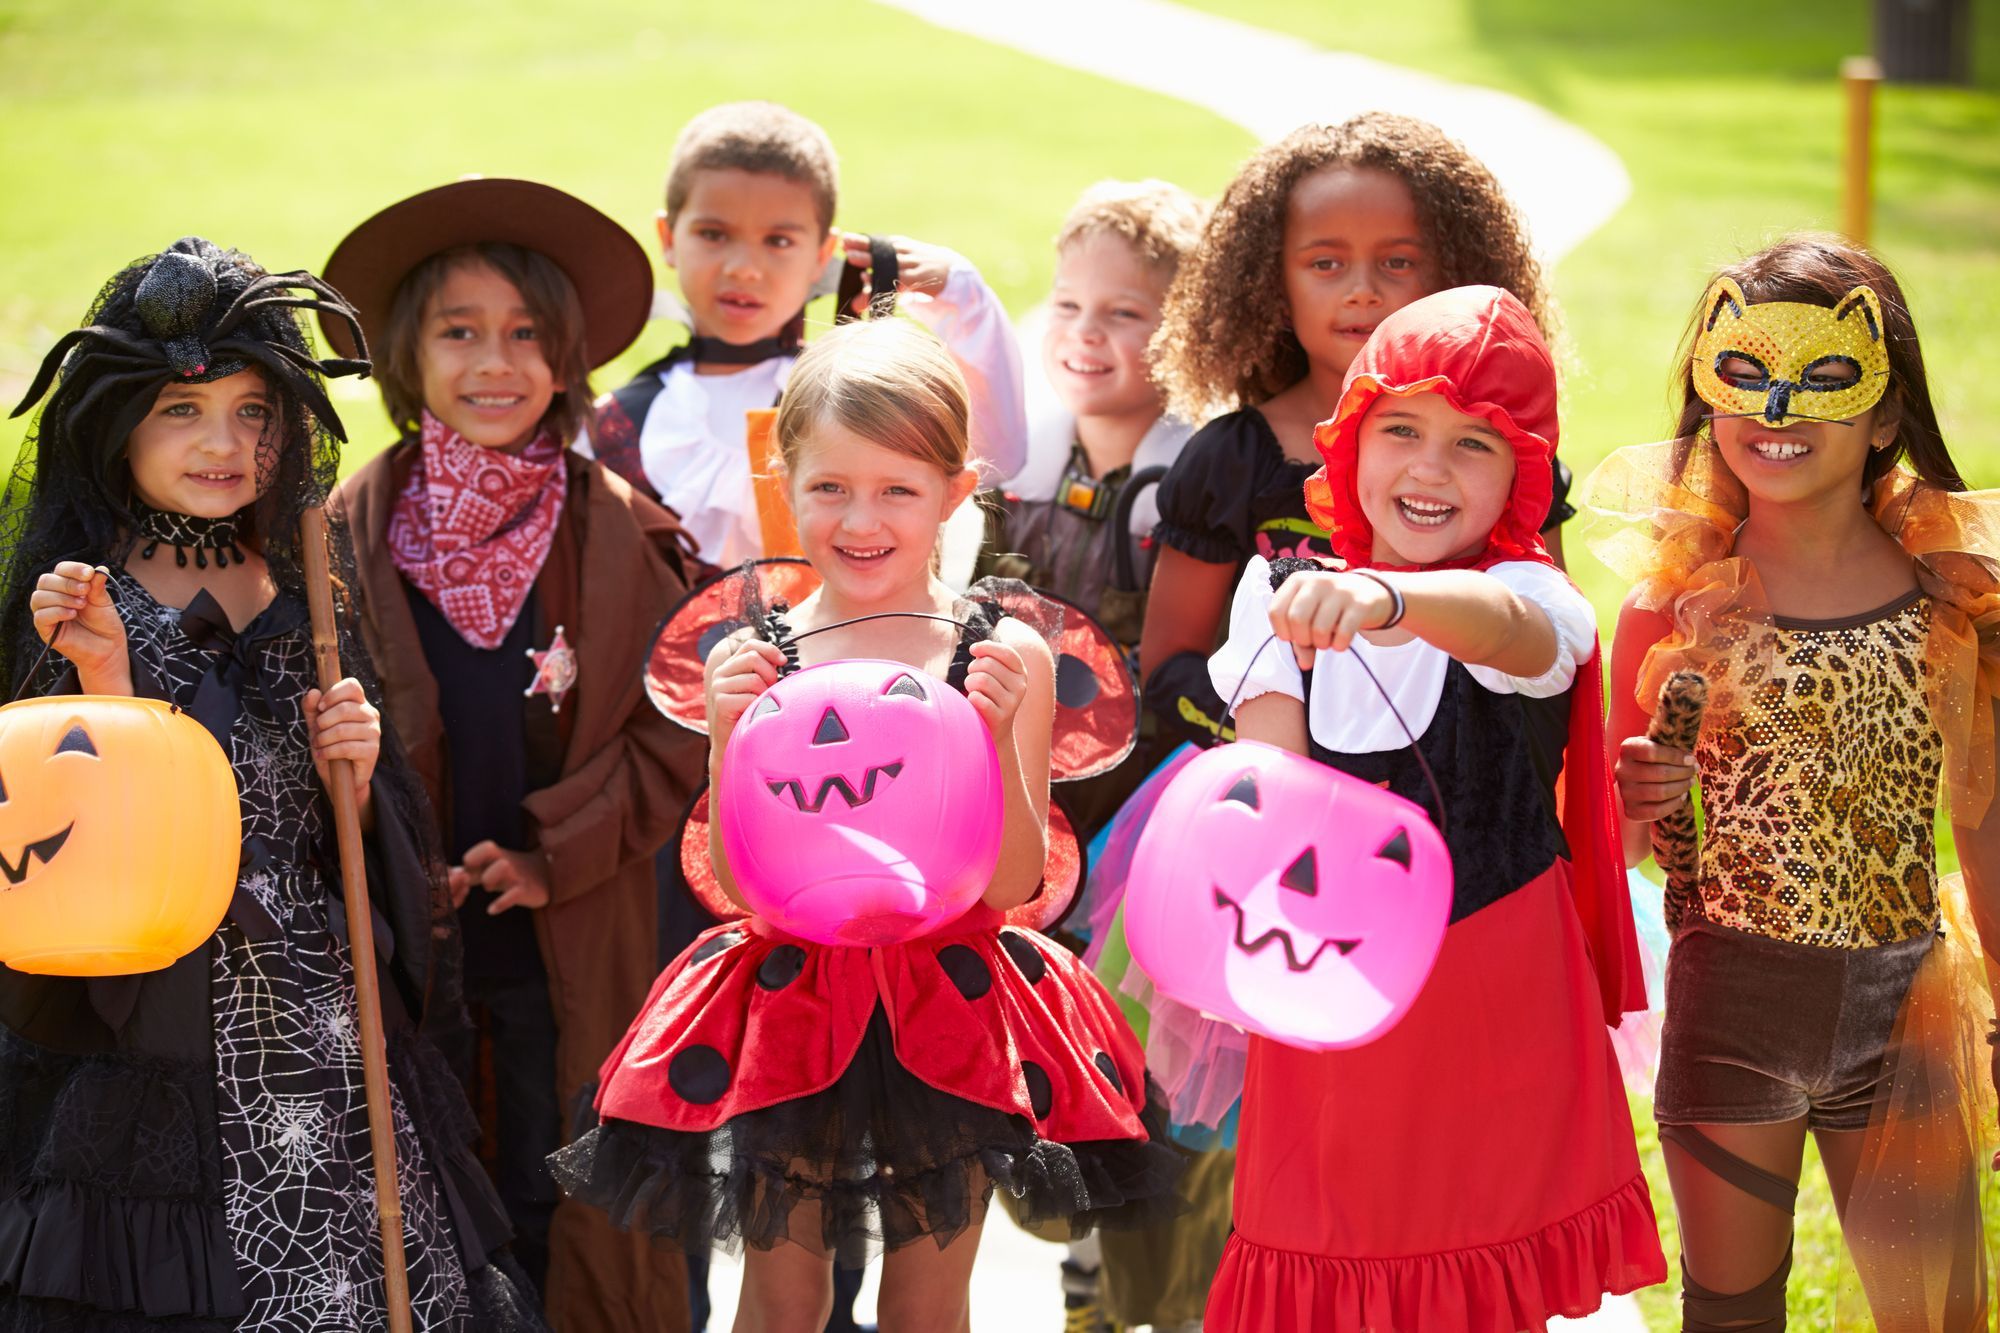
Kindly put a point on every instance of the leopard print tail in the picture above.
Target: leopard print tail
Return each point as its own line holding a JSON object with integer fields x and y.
{"x": 1676, "y": 845}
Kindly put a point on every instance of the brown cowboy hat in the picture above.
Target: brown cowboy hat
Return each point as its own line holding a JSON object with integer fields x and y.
{"x": 610, "y": 271}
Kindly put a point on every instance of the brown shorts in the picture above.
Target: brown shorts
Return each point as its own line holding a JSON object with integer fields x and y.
{"x": 1760, "y": 1031}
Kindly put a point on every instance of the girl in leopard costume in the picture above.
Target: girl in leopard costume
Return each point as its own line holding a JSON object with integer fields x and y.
{"x": 1820, "y": 978}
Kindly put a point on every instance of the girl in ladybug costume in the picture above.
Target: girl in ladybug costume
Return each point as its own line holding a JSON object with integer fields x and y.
{"x": 1367, "y": 1197}
{"x": 814, "y": 1101}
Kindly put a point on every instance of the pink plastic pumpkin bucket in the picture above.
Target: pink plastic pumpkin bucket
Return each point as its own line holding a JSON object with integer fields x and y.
{"x": 1288, "y": 898}
{"x": 860, "y": 803}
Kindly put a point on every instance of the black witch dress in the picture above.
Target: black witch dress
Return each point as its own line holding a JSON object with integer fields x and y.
{"x": 189, "y": 1148}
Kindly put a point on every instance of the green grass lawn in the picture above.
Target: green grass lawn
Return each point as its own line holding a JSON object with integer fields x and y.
{"x": 277, "y": 127}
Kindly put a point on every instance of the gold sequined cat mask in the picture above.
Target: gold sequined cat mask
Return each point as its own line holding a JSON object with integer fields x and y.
{"x": 1783, "y": 361}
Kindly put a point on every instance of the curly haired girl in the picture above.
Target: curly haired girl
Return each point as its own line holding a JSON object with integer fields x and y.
{"x": 1320, "y": 237}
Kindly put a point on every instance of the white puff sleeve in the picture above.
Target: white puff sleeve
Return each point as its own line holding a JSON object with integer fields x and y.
{"x": 972, "y": 324}
{"x": 1567, "y": 609}
{"x": 1274, "y": 669}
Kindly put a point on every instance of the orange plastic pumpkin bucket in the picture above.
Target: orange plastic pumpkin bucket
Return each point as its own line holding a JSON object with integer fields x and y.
{"x": 120, "y": 835}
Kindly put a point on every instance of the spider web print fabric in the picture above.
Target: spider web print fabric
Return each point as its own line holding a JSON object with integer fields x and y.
{"x": 291, "y": 1107}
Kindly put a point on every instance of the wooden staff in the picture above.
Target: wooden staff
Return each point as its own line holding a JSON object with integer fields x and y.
{"x": 360, "y": 933}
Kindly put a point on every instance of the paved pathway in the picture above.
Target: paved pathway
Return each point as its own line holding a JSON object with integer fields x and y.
{"x": 1566, "y": 181}
{"x": 1014, "y": 1290}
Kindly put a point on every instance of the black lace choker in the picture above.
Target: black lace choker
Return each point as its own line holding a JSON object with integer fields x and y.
{"x": 185, "y": 532}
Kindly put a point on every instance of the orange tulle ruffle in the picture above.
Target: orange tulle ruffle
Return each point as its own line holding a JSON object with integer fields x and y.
{"x": 1664, "y": 517}
{"x": 1919, "y": 1256}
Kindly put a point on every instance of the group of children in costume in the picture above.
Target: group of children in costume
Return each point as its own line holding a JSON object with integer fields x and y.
{"x": 1360, "y": 332}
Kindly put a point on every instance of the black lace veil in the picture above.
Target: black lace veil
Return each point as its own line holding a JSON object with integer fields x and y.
{"x": 190, "y": 314}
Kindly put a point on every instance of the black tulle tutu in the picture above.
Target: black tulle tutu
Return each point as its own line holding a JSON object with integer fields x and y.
{"x": 875, "y": 1161}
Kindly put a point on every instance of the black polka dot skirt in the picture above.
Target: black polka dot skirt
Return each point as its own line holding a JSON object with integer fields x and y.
{"x": 875, "y": 1161}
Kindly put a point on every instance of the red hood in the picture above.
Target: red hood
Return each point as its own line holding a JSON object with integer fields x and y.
{"x": 1480, "y": 349}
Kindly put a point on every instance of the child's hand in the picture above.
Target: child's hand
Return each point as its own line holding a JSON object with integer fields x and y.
{"x": 996, "y": 682}
{"x": 73, "y": 597}
{"x": 1326, "y": 610}
{"x": 738, "y": 673}
{"x": 516, "y": 879}
{"x": 344, "y": 725}
{"x": 1653, "y": 779}
{"x": 920, "y": 268}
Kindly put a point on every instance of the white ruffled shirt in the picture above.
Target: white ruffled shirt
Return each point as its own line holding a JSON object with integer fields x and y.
{"x": 1346, "y": 713}
{"x": 693, "y": 444}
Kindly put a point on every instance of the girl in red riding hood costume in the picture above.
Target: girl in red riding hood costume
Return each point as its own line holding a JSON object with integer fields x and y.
{"x": 1367, "y": 1196}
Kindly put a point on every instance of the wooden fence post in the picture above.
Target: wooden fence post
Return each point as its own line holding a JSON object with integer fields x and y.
{"x": 1859, "y": 76}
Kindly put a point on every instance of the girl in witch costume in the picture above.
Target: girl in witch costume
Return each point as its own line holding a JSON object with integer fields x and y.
{"x": 509, "y": 585}
{"x": 189, "y": 1148}
{"x": 1365, "y": 1199}
{"x": 1823, "y": 978}
{"x": 817, "y": 1101}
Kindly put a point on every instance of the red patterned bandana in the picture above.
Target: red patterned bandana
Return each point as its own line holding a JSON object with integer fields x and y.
{"x": 473, "y": 525}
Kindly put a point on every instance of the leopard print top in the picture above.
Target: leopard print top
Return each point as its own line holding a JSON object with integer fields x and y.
{"x": 1819, "y": 765}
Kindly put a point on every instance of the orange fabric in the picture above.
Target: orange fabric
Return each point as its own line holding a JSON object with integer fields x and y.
{"x": 1914, "y": 1221}
{"x": 1665, "y": 517}
{"x": 767, "y": 483}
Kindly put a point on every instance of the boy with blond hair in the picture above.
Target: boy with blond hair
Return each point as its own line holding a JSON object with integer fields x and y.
{"x": 1060, "y": 525}
{"x": 1116, "y": 255}
{"x": 748, "y": 230}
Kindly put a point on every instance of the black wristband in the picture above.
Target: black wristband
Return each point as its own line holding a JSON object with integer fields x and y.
{"x": 1397, "y": 606}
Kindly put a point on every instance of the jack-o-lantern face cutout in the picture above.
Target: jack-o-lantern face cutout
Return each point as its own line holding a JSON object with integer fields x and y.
{"x": 860, "y": 803}
{"x": 120, "y": 835}
{"x": 832, "y": 731}
{"x": 1287, "y": 898}
{"x": 75, "y": 741}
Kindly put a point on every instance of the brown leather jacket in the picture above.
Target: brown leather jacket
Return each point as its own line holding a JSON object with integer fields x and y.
{"x": 613, "y": 573}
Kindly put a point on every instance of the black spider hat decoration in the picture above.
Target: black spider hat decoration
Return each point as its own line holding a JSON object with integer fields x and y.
{"x": 182, "y": 338}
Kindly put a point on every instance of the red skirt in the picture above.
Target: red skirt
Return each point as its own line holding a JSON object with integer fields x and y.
{"x": 891, "y": 1087}
{"x": 1473, "y": 1170}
